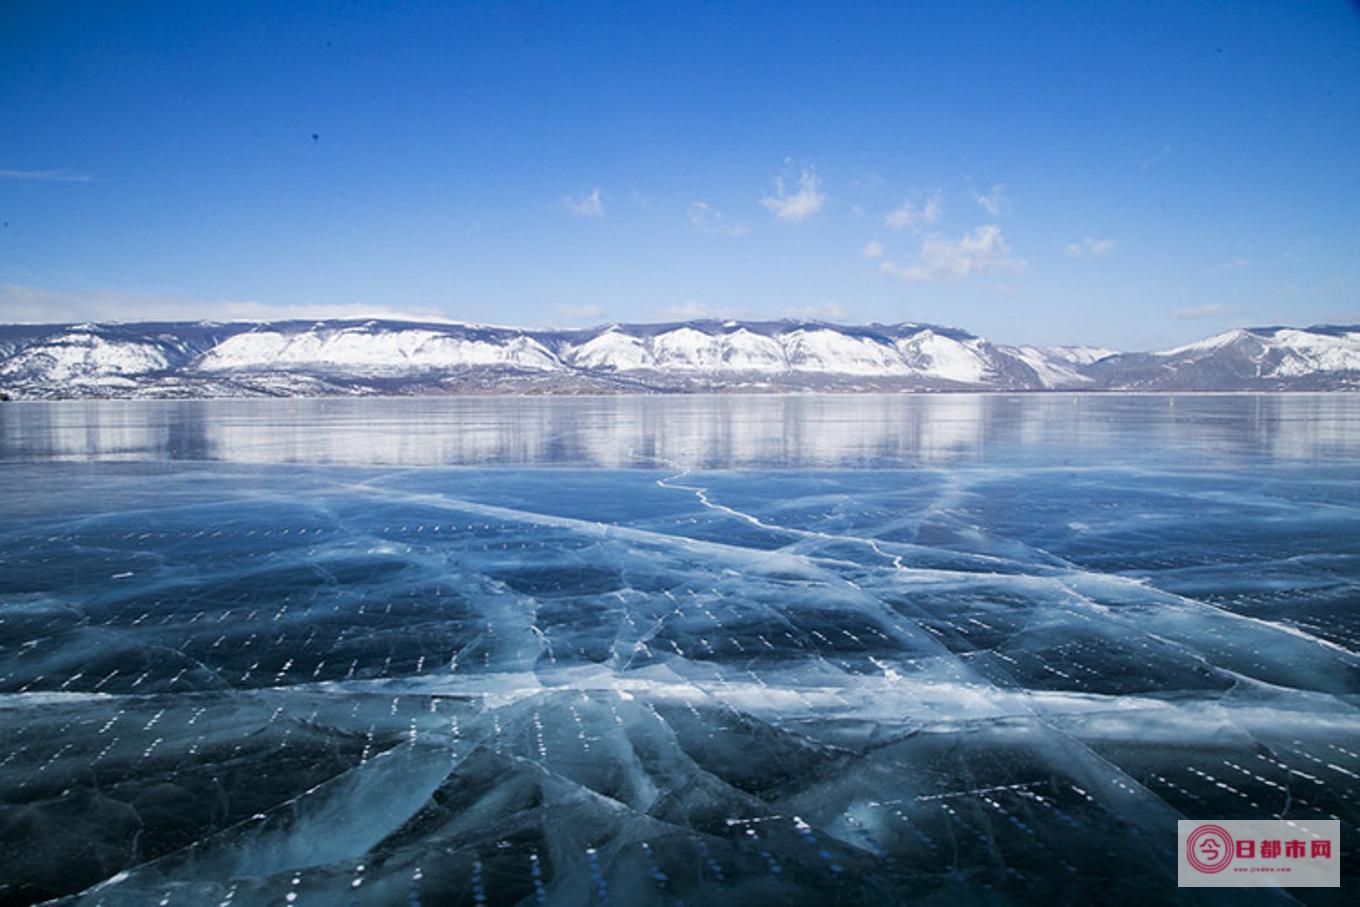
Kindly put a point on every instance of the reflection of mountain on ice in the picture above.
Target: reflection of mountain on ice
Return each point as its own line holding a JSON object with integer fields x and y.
{"x": 716, "y": 431}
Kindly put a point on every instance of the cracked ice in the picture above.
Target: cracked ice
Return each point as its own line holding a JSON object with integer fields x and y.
{"x": 674, "y": 676}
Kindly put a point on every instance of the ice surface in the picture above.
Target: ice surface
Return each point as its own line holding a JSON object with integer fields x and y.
{"x": 814, "y": 651}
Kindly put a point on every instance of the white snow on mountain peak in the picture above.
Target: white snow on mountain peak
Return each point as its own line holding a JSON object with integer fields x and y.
{"x": 80, "y": 354}
{"x": 1309, "y": 352}
{"x": 1282, "y": 352}
{"x": 821, "y": 350}
{"x": 1082, "y": 355}
{"x": 375, "y": 356}
{"x": 372, "y": 351}
{"x": 1208, "y": 344}
{"x": 611, "y": 349}
{"x": 687, "y": 348}
{"x": 830, "y": 351}
{"x": 964, "y": 361}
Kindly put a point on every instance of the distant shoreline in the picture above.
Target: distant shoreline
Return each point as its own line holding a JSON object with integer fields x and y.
{"x": 340, "y": 358}
{"x": 699, "y": 394}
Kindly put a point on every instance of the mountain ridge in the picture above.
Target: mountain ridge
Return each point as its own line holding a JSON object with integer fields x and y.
{"x": 308, "y": 357}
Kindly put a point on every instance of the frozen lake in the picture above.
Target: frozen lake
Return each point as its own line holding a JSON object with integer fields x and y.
{"x": 690, "y": 650}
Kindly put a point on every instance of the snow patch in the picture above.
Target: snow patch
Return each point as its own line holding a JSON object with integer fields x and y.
{"x": 84, "y": 355}
{"x": 373, "y": 352}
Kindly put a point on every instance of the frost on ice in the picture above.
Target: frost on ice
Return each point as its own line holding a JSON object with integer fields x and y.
{"x": 228, "y": 685}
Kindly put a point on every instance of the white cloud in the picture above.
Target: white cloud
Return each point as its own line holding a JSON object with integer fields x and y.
{"x": 590, "y": 205}
{"x": 580, "y": 312}
{"x": 1211, "y": 310}
{"x": 824, "y": 312}
{"x": 33, "y": 305}
{"x": 689, "y": 310}
{"x": 796, "y": 207}
{"x": 910, "y": 215}
{"x": 708, "y": 219}
{"x": 1236, "y": 264}
{"x": 995, "y": 201}
{"x": 49, "y": 176}
{"x": 874, "y": 249}
{"x": 984, "y": 249}
{"x": 1089, "y": 247}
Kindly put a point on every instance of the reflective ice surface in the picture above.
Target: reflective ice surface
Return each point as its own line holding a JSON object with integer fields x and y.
{"x": 668, "y": 650}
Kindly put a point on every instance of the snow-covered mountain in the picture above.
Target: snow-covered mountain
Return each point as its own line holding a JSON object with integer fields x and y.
{"x": 296, "y": 358}
{"x": 1325, "y": 357}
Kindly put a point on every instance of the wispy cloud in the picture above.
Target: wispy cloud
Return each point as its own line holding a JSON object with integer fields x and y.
{"x": 915, "y": 217}
{"x": 1090, "y": 248}
{"x": 796, "y": 207}
{"x": 586, "y": 312}
{"x": 708, "y": 219}
{"x": 47, "y": 176}
{"x": 590, "y": 205}
{"x": 995, "y": 201}
{"x": 34, "y": 305}
{"x": 689, "y": 310}
{"x": 873, "y": 249}
{"x": 827, "y": 311}
{"x": 1235, "y": 264}
{"x": 1211, "y": 310}
{"x": 984, "y": 249}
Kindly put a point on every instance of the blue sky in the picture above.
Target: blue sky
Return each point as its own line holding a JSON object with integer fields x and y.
{"x": 1132, "y": 175}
